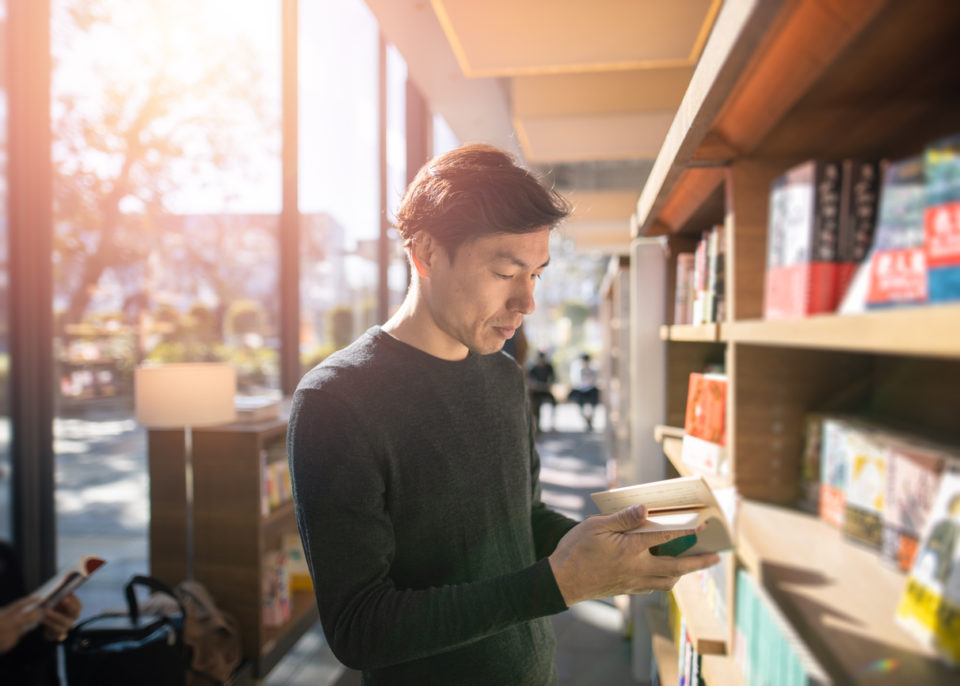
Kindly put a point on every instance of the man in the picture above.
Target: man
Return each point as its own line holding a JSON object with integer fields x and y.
{"x": 583, "y": 379}
{"x": 415, "y": 475}
{"x": 540, "y": 378}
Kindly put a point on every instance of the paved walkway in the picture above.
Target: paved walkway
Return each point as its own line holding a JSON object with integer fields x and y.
{"x": 102, "y": 502}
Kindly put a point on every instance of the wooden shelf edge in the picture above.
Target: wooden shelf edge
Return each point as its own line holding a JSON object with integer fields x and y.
{"x": 670, "y": 439}
{"x": 721, "y": 670}
{"x": 707, "y": 633}
{"x": 736, "y": 34}
{"x": 892, "y": 331}
{"x": 817, "y": 578}
{"x": 662, "y": 644}
{"x": 709, "y": 333}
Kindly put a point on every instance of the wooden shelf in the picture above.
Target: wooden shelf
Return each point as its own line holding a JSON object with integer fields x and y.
{"x": 709, "y": 333}
{"x": 670, "y": 439}
{"x": 930, "y": 331}
{"x": 839, "y": 595}
{"x": 778, "y": 80}
{"x": 708, "y": 635}
{"x": 662, "y": 642}
{"x": 721, "y": 670}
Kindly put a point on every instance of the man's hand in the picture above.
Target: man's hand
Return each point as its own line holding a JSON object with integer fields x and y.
{"x": 58, "y": 620}
{"x": 597, "y": 559}
{"x": 16, "y": 619}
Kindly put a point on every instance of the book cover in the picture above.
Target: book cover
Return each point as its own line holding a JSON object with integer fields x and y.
{"x": 677, "y": 504}
{"x": 866, "y": 486}
{"x": 810, "y": 463}
{"x": 67, "y": 581}
{"x": 858, "y": 218}
{"x": 802, "y": 235}
{"x": 929, "y": 607}
{"x": 833, "y": 471}
{"x": 913, "y": 477}
{"x": 704, "y": 426}
{"x": 898, "y": 264}
{"x": 941, "y": 219}
{"x": 683, "y": 301}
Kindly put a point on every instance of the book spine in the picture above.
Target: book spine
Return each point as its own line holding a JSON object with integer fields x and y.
{"x": 858, "y": 218}
{"x": 942, "y": 219}
{"x": 821, "y": 288}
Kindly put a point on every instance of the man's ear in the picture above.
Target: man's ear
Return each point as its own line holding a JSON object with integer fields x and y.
{"x": 423, "y": 253}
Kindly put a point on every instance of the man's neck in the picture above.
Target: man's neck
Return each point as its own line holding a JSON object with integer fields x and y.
{"x": 414, "y": 325}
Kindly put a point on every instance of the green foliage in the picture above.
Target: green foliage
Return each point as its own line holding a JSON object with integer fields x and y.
{"x": 576, "y": 312}
{"x": 340, "y": 326}
{"x": 245, "y": 317}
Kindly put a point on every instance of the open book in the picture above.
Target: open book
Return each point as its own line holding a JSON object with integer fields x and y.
{"x": 67, "y": 581}
{"x": 674, "y": 505}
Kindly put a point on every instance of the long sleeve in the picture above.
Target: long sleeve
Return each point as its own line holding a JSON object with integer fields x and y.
{"x": 343, "y": 493}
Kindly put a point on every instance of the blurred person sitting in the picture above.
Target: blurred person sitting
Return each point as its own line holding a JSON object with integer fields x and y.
{"x": 29, "y": 634}
{"x": 540, "y": 379}
{"x": 584, "y": 391}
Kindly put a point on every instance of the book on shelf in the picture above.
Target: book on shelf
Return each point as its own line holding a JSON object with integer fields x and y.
{"x": 914, "y": 468}
{"x": 809, "y": 496}
{"x": 866, "y": 487}
{"x": 766, "y": 647}
{"x": 858, "y": 218}
{"x": 898, "y": 264}
{"x": 704, "y": 425}
{"x": 296, "y": 560}
{"x": 833, "y": 470}
{"x": 802, "y": 235}
{"x": 677, "y": 504}
{"x": 942, "y": 219}
{"x": 929, "y": 607}
{"x": 276, "y": 589}
{"x": 66, "y": 581}
{"x": 683, "y": 295}
{"x": 256, "y": 408}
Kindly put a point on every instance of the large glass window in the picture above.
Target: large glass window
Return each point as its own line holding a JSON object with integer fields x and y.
{"x": 396, "y": 171}
{"x": 339, "y": 179}
{"x": 6, "y": 475}
{"x": 166, "y": 153}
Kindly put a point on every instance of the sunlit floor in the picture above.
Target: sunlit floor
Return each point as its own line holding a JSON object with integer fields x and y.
{"x": 102, "y": 508}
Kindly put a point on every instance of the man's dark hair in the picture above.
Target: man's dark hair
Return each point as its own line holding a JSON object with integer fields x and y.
{"x": 472, "y": 191}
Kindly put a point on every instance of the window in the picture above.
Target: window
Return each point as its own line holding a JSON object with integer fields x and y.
{"x": 166, "y": 154}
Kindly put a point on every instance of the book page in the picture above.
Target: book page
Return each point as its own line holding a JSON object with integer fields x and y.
{"x": 688, "y": 491}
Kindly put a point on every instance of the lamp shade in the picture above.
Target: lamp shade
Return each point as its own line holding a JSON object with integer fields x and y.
{"x": 187, "y": 394}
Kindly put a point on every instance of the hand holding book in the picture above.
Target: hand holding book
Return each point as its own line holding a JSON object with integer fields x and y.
{"x": 595, "y": 560}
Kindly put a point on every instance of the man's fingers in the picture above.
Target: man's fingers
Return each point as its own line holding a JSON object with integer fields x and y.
{"x": 627, "y": 519}
{"x": 648, "y": 539}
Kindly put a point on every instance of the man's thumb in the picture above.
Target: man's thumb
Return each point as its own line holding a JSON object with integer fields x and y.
{"x": 628, "y": 519}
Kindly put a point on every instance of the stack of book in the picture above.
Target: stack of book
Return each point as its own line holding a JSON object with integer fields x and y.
{"x": 276, "y": 589}
{"x": 704, "y": 427}
{"x": 699, "y": 296}
{"x": 822, "y": 216}
{"x": 276, "y": 487}
{"x": 877, "y": 484}
{"x": 766, "y": 648}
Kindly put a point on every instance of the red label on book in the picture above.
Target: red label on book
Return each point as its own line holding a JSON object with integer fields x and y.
{"x": 898, "y": 276}
{"x": 800, "y": 290}
{"x": 833, "y": 502}
{"x": 941, "y": 225}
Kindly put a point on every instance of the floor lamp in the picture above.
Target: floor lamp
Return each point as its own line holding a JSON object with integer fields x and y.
{"x": 183, "y": 396}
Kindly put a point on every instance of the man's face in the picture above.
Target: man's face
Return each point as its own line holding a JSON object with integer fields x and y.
{"x": 479, "y": 299}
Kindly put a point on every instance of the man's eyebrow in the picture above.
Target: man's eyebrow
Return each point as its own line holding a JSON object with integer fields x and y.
{"x": 513, "y": 259}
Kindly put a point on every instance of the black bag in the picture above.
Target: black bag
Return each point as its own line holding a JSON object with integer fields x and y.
{"x": 125, "y": 649}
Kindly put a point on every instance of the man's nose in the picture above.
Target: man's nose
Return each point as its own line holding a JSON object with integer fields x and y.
{"x": 522, "y": 300}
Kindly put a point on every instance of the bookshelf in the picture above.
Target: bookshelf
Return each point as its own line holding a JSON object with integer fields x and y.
{"x": 780, "y": 82}
{"x": 231, "y": 532}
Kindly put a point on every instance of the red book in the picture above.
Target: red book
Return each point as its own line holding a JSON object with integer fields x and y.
{"x": 802, "y": 235}
{"x": 704, "y": 427}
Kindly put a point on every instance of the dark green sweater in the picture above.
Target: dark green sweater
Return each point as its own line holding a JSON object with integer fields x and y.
{"x": 416, "y": 483}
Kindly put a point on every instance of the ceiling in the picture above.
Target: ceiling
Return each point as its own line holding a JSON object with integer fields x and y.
{"x": 582, "y": 91}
